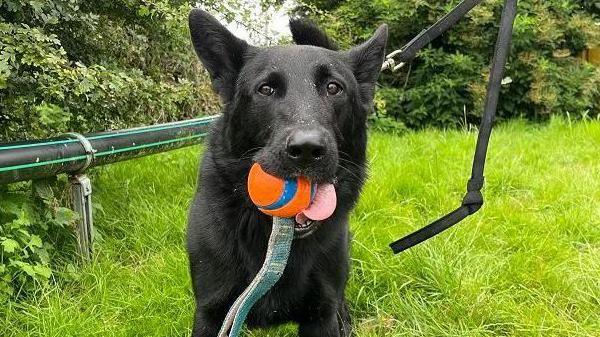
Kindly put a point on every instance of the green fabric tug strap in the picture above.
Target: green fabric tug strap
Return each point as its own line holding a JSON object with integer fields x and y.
{"x": 278, "y": 251}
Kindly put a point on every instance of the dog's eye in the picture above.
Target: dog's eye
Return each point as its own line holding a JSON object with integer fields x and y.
{"x": 333, "y": 89}
{"x": 266, "y": 90}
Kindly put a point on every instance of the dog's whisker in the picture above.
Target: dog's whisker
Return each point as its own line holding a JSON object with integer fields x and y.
{"x": 250, "y": 151}
{"x": 353, "y": 174}
{"x": 346, "y": 161}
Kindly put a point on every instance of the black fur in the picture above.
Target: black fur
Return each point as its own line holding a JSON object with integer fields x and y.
{"x": 227, "y": 235}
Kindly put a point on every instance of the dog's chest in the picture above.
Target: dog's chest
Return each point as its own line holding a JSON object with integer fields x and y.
{"x": 283, "y": 303}
{"x": 288, "y": 299}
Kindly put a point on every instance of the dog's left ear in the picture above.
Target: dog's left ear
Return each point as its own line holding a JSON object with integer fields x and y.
{"x": 366, "y": 60}
{"x": 221, "y": 53}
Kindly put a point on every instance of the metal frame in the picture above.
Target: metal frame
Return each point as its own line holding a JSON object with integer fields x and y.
{"x": 81, "y": 194}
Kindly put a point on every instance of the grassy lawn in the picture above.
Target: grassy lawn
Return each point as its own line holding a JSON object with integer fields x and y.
{"x": 527, "y": 265}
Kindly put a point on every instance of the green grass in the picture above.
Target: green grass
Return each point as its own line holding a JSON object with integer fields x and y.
{"x": 527, "y": 265}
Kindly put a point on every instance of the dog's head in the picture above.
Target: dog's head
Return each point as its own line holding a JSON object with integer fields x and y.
{"x": 294, "y": 109}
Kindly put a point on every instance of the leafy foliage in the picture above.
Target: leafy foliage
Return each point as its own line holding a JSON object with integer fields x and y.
{"x": 29, "y": 226}
{"x": 445, "y": 85}
{"x": 84, "y": 66}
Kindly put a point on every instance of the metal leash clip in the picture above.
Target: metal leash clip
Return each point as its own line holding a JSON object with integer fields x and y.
{"x": 390, "y": 63}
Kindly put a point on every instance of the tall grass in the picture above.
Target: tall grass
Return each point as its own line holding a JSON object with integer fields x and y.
{"x": 528, "y": 264}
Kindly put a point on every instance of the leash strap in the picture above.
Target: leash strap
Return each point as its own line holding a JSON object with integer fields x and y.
{"x": 473, "y": 200}
{"x": 410, "y": 50}
{"x": 278, "y": 251}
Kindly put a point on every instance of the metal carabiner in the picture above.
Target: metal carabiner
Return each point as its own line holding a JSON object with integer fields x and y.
{"x": 390, "y": 63}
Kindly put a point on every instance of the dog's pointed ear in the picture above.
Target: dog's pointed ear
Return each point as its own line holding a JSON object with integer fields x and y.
{"x": 221, "y": 53}
{"x": 366, "y": 60}
{"x": 306, "y": 32}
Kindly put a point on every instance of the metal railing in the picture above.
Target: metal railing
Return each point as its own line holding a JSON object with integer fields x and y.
{"x": 73, "y": 154}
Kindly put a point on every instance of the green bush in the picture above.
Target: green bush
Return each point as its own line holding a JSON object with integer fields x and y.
{"x": 445, "y": 85}
{"x": 31, "y": 222}
{"x": 90, "y": 66}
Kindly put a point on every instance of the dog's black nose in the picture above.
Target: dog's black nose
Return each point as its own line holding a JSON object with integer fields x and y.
{"x": 306, "y": 146}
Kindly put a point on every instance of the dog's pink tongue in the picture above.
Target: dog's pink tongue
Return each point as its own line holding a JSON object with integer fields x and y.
{"x": 322, "y": 206}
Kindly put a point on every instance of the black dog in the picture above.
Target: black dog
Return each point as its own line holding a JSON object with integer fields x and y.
{"x": 296, "y": 110}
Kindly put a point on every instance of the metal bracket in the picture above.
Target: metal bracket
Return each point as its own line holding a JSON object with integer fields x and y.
{"x": 87, "y": 146}
{"x": 81, "y": 192}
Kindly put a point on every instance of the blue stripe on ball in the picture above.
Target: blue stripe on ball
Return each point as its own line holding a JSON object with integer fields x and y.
{"x": 289, "y": 191}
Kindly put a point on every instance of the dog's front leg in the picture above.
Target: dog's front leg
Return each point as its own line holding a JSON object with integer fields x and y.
{"x": 330, "y": 323}
{"x": 344, "y": 319}
{"x": 205, "y": 325}
{"x": 322, "y": 327}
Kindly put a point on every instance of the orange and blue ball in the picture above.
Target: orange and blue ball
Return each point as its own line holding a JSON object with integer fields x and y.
{"x": 274, "y": 196}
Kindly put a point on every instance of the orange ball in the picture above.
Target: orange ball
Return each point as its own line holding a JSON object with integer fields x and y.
{"x": 274, "y": 196}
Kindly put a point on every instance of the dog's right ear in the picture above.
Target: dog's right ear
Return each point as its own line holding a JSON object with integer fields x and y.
{"x": 219, "y": 50}
{"x": 307, "y": 32}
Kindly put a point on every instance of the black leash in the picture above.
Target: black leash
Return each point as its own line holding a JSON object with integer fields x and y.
{"x": 410, "y": 50}
{"x": 473, "y": 200}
